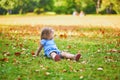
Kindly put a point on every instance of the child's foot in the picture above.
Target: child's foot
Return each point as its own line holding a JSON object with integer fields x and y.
{"x": 77, "y": 57}
{"x": 57, "y": 58}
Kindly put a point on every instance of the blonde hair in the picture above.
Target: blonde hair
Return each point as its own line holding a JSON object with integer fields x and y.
{"x": 46, "y": 32}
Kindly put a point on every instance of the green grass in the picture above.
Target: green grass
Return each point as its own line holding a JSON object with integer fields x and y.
{"x": 99, "y": 50}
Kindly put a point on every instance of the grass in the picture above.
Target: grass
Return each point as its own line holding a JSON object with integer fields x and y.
{"x": 98, "y": 45}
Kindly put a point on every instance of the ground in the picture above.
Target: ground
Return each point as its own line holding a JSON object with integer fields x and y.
{"x": 89, "y": 20}
{"x": 97, "y": 38}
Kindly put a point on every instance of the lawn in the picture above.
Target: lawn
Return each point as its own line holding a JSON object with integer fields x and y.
{"x": 99, "y": 46}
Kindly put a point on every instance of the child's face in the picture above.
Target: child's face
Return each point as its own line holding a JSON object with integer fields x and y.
{"x": 51, "y": 35}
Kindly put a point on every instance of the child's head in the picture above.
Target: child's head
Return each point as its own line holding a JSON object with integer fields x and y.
{"x": 47, "y": 33}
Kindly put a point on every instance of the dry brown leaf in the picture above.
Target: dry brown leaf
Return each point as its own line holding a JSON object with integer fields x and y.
{"x": 4, "y": 59}
{"x": 69, "y": 46}
{"x": 33, "y": 53}
{"x": 17, "y": 53}
{"x": 6, "y": 53}
{"x": 113, "y": 50}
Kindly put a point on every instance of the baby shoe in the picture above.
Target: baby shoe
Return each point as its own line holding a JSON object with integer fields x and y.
{"x": 77, "y": 56}
{"x": 57, "y": 58}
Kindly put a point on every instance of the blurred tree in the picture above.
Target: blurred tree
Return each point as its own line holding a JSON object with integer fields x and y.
{"x": 43, "y": 6}
{"x": 68, "y": 6}
{"x": 59, "y": 6}
{"x": 107, "y": 6}
{"x": 46, "y": 4}
{"x": 71, "y": 6}
{"x": 9, "y": 5}
{"x": 2, "y": 11}
{"x": 24, "y": 6}
{"x": 21, "y": 5}
{"x": 116, "y": 5}
{"x": 110, "y": 7}
{"x": 88, "y": 6}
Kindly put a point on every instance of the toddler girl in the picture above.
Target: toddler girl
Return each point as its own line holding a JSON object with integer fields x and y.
{"x": 50, "y": 48}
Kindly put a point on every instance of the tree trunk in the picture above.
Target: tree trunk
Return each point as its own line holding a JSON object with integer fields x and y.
{"x": 98, "y": 5}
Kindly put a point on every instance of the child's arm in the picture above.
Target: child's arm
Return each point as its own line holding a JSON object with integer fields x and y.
{"x": 38, "y": 50}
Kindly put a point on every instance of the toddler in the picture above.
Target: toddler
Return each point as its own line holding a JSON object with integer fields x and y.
{"x": 50, "y": 48}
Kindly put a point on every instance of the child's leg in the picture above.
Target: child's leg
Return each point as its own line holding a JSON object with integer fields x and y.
{"x": 70, "y": 56}
{"x": 67, "y": 55}
{"x": 55, "y": 56}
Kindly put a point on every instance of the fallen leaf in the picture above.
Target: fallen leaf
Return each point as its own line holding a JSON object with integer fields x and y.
{"x": 23, "y": 49}
{"x": 81, "y": 70}
{"x": 102, "y": 31}
{"x": 21, "y": 45}
{"x": 98, "y": 51}
{"x": 47, "y": 73}
{"x": 33, "y": 53}
{"x": 37, "y": 70}
{"x": 6, "y": 53}
{"x": 75, "y": 70}
{"x": 5, "y": 59}
{"x": 7, "y": 44}
{"x": 84, "y": 62}
{"x": 64, "y": 70}
{"x": 69, "y": 46}
{"x": 113, "y": 50}
{"x": 15, "y": 61}
{"x": 71, "y": 68}
{"x": 99, "y": 69}
{"x": 81, "y": 77}
{"x": 17, "y": 53}
{"x": 19, "y": 79}
{"x": 63, "y": 35}
{"x": 41, "y": 66}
